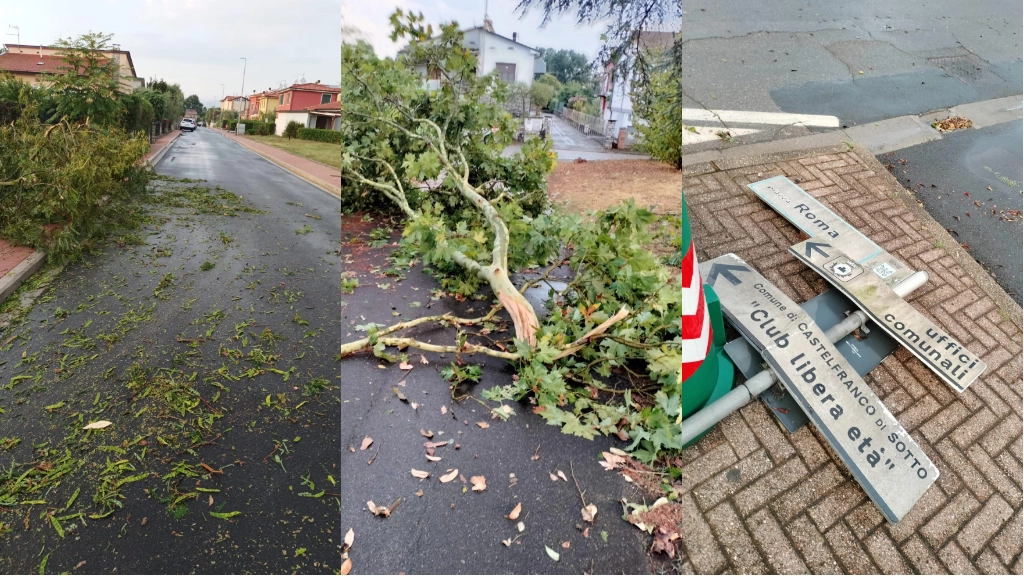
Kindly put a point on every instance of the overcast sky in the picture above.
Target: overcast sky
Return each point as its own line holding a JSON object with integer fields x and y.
{"x": 371, "y": 19}
{"x": 197, "y": 43}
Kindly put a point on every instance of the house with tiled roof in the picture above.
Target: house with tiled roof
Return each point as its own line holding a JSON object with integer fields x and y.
{"x": 261, "y": 103}
{"x": 298, "y": 97}
{"x": 325, "y": 116}
{"x": 32, "y": 64}
{"x": 236, "y": 103}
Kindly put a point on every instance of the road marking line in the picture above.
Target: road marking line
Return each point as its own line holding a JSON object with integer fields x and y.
{"x": 705, "y": 134}
{"x": 747, "y": 117}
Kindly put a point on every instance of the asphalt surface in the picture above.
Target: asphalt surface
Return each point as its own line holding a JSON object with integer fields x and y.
{"x": 263, "y": 274}
{"x": 986, "y": 165}
{"x": 859, "y": 61}
{"x": 451, "y": 529}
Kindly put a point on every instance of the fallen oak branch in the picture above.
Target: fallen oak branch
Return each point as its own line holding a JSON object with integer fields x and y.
{"x": 357, "y": 345}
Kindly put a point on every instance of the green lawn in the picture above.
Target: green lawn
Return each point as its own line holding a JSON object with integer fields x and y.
{"x": 322, "y": 152}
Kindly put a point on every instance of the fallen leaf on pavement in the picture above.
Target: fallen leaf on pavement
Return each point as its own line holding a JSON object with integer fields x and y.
{"x": 479, "y": 483}
{"x": 426, "y": 433}
{"x": 346, "y": 567}
{"x": 664, "y": 541}
{"x": 618, "y": 452}
{"x": 506, "y": 409}
{"x": 444, "y": 409}
{"x": 514, "y": 514}
{"x": 414, "y": 405}
{"x": 405, "y": 366}
{"x": 423, "y": 359}
{"x": 551, "y": 553}
{"x": 435, "y": 444}
{"x": 483, "y": 424}
{"x": 97, "y": 425}
{"x": 520, "y": 526}
{"x": 553, "y": 477}
{"x": 210, "y": 503}
{"x": 420, "y": 474}
{"x": 350, "y": 537}
{"x": 419, "y": 493}
{"x": 565, "y": 545}
{"x": 450, "y": 475}
{"x": 589, "y": 512}
{"x": 378, "y": 510}
{"x": 399, "y": 394}
{"x": 433, "y": 458}
{"x": 507, "y": 542}
{"x": 562, "y": 476}
{"x": 366, "y": 443}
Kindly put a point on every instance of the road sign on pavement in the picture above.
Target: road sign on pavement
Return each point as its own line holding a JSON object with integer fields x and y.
{"x": 818, "y": 222}
{"x": 936, "y": 348}
{"x": 882, "y": 456}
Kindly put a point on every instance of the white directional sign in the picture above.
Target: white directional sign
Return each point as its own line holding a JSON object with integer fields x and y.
{"x": 818, "y": 222}
{"x": 936, "y": 348}
{"x": 882, "y": 456}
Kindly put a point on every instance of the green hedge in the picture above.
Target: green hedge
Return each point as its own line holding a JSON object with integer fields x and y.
{"x": 257, "y": 128}
{"x": 320, "y": 135}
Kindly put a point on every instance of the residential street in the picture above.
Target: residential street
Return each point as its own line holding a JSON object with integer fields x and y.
{"x": 446, "y": 528}
{"x": 208, "y": 340}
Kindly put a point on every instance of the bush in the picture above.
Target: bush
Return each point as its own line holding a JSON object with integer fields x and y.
{"x": 136, "y": 113}
{"x": 292, "y": 130}
{"x": 257, "y": 128}
{"x": 84, "y": 179}
{"x": 320, "y": 135}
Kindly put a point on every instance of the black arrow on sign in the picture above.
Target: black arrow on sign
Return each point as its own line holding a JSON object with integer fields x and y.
{"x": 816, "y": 246}
{"x": 726, "y": 270}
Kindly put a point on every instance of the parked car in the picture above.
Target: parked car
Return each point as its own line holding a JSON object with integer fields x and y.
{"x": 187, "y": 124}
{"x": 202, "y": 123}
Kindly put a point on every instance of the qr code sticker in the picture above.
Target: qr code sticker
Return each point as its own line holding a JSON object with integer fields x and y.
{"x": 883, "y": 270}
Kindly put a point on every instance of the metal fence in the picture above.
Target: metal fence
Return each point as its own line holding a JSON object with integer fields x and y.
{"x": 584, "y": 122}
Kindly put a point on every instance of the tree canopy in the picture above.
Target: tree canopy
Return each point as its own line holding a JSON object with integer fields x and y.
{"x": 567, "y": 65}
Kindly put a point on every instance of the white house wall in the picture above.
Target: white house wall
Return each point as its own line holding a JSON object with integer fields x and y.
{"x": 493, "y": 49}
{"x": 284, "y": 117}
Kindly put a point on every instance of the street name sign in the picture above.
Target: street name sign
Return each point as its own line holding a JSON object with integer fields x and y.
{"x": 893, "y": 470}
{"x": 937, "y": 349}
{"x": 818, "y": 222}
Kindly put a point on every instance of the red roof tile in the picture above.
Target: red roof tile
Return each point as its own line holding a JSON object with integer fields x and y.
{"x": 336, "y": 105}
{"x": 29, "y": 63}
{"x": 313, "y": 87}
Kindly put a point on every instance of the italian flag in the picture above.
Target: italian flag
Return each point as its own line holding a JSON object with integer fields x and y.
{"x": 696, "y": 320}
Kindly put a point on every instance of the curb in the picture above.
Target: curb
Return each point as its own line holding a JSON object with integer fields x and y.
{"x": 155, "y": 158}
{"x": 325, "y": 186}
{"x": 877, "y": 137}
{"x": 13, "y": 279}
{"x": 949, "y": 244}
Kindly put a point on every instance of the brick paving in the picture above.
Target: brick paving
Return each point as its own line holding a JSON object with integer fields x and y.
{"x": 757, "y": 499}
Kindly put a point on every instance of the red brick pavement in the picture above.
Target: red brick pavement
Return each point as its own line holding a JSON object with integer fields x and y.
{"x": 758, "y": 499}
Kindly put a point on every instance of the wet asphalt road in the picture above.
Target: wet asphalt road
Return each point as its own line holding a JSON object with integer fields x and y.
{"x": 264, "y": 277}
{"x": 858, "y": 61}
{"x": 450, "y": 529}
{"x": 973, "y": 161}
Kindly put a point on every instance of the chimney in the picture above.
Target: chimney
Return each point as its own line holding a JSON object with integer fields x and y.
{"x": 514, "y": 36}
{"x": 317, "y": 81}
{"x": 488, "y": 25}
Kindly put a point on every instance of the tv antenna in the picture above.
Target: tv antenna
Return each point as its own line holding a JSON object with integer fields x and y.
{"x": 17, "y": 32}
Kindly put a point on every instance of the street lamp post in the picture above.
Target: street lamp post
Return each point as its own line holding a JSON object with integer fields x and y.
{"x": 242, "y": 96}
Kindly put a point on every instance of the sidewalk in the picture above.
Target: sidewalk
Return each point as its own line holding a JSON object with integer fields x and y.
{"x": 326, "y": 178}
{"x": 18, "y": 263}
{"x": 758, "y": 499}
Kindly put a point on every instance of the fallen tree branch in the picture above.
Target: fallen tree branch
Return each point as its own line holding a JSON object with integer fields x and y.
{"x": 578, "y": 344}
{"x": 357, "y": 345}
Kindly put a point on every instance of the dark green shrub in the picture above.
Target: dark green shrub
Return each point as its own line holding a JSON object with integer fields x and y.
{"x": 136, "y": 113}
{"x": 320, "y": 135}
{"x": 292, "y": 130}
{"x": 83, "y": 181}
